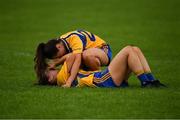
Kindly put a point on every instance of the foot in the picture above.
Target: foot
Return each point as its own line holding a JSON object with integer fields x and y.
{"x": 154, "y": 83}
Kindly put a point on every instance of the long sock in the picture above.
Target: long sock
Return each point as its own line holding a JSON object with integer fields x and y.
{"x": 124, "y": 84}
{"x": 143, "y": 78}
{"x": 150, "y": 76}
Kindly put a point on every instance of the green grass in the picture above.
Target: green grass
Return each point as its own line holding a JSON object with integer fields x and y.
{"x": 153, "y": 25}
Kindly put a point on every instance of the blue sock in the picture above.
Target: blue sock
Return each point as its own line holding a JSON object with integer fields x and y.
{"x": 150, "y": 76}
{"x": 143, "y": 78}
{"x": 124, "y": 84}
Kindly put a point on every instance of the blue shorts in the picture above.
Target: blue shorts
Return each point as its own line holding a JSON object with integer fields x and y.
{"x": 106, "y": 48}
{"x": 103, "y": 79}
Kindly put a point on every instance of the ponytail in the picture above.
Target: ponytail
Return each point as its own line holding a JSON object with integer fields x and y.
{"x": 44, "y": 50}
{"x": 40, "y": 64}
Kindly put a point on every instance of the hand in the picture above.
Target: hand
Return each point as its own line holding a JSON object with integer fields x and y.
{"x": 66, "y": 85}
{"x": 52, "y": 66}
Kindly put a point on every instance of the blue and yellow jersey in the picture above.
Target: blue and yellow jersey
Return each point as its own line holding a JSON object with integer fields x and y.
{"x": 87, "y": 78}
{"x": 79, "y": 40}
{"x": 62, "y": 75}
{"x": 84, "y": 78}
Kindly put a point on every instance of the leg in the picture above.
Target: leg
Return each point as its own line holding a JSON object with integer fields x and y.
{"x": 126, "y": 77}
{"x": 126, "y": 59}
{"x": 125, "y": 81}
{"x": 144, "y": 62}
{"x": 142, "y": 59}
{"x": 93, "y": 58}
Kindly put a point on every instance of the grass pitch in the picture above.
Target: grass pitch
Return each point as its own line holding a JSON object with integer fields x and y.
{"x": 152, "y": 25}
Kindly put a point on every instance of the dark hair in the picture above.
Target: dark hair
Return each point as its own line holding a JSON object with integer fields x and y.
{"x": 44, "y": 50}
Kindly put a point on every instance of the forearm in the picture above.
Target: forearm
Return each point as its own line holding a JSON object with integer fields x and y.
{"x": 61, "y": 60}
{"x": 74, "y": 69}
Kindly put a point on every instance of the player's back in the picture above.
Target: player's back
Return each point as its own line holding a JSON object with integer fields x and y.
{"x": 88, "y": 39}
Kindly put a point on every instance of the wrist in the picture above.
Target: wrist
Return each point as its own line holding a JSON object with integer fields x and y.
{"x": 68, "y": 83}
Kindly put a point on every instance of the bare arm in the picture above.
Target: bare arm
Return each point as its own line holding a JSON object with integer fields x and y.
{"x": 73, "y": 68}
{"x": 70, "y": 61}
{"x": 59, "y": 61}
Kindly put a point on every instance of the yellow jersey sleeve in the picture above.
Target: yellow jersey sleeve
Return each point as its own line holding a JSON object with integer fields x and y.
{"x": 62, "y": 75}
{"x": 76, "y": 44}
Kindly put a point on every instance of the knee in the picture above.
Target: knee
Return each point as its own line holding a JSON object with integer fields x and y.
{"x": 128, "y": 48}
{"x": 136, "y": 49}
{"x": 91, "y": 61}
{"x": 86, "y": 56}
{"x": 132, "y": 48}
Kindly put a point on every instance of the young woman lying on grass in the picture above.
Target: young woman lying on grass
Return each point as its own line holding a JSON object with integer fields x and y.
{"x": 129, "y": 60}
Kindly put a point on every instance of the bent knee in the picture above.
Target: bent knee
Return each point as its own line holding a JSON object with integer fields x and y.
{"x": 134, "y": 48}
{"x": 137, "y": 49}
{"x": 97, "y": 54}
{"x": 87, "y": 57}
{"x": 128, "y": 48}
{"x": 91, "y": 59}
{"x": 87, "y": 53}
{"x": 92, "y": 62}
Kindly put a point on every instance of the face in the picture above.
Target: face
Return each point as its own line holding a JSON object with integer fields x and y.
{"x": 52, "y": 76}
{"x": 61, "y": 50}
